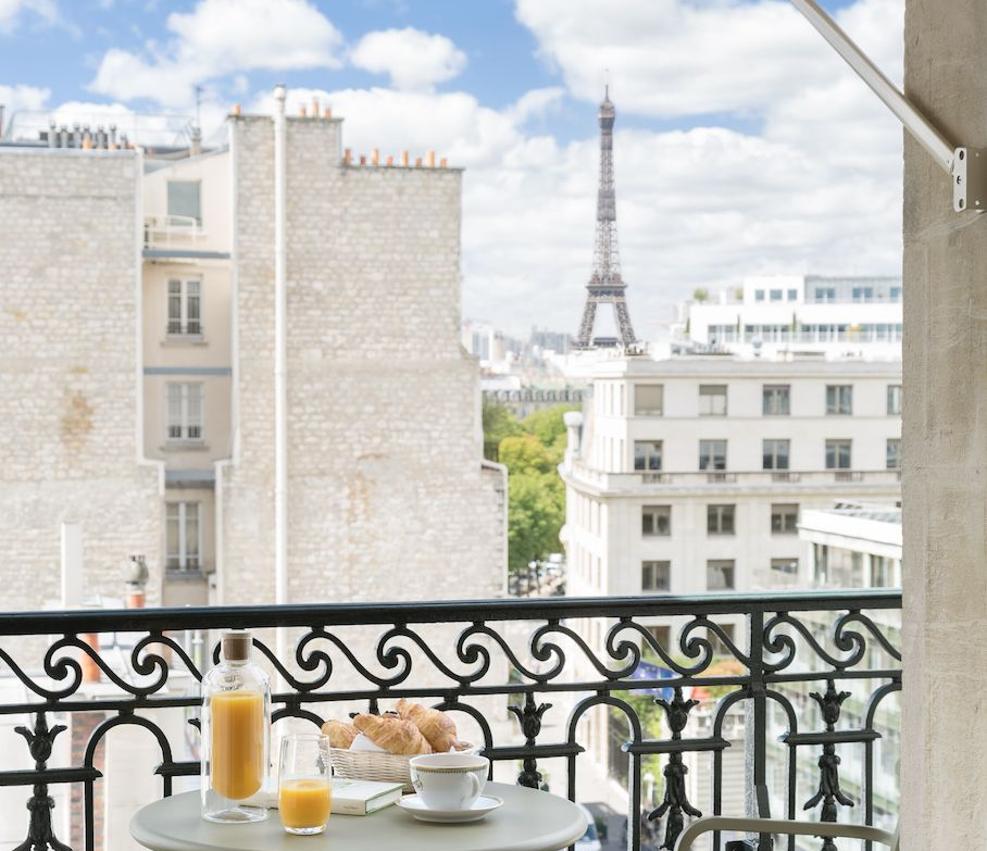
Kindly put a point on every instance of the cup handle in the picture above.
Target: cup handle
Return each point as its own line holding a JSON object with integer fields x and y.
{"x": 475, "y": 786}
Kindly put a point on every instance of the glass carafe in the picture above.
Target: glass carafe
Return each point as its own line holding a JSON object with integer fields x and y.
{"x": 236, "y": 733}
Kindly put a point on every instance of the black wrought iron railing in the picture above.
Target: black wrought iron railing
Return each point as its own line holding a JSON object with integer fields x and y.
{"x": 793, "y": 682}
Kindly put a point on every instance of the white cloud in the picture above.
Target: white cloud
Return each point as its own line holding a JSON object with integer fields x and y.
{"x": 679, "y": 57}
{"x": 413, "y": 59}
{"x": 19, "y": 97}
{"x": 220, "y": 37}
{"x": 11, "y": 11}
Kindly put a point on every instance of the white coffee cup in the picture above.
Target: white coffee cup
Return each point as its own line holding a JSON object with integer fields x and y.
{"x": 449, "y": 781}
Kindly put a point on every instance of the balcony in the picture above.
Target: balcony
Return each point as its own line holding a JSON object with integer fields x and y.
{"x": 176, "y": 237}
{"x": 673, "y": 689}
{"x": 653, "y": 481}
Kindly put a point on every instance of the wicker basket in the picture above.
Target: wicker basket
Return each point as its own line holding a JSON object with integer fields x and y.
{"x": 373, "y": 765}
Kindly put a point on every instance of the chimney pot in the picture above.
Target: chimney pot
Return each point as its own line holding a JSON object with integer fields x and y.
{"x": 375, "y": 156}
{"x": 418, "y": 162}
{"x": 301, "y": 110}
{"x": 315, "y": 107}
{"x": 235, "y": 110}
{"x": 431, "y": 159}
{"x": 348, "y": 156}
{"x": 442, "y": 163}
{"x": 327, "y": 112}
{"x": 390, "y": 160}
{"x": 363, "y": 159}
{"x": 404, "y": 158}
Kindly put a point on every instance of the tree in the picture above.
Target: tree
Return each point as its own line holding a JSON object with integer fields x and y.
{"x": 700, "y": 294}
{"x": 498, "y": 423}
{"x": 532, "y": 451}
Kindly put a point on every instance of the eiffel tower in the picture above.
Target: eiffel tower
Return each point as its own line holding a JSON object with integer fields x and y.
{"x": 606, "y": 286}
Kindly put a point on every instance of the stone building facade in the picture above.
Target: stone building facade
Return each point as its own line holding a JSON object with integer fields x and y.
{"x": 138, "y": 375}
{"x": 69, "y": 387}
{"x": 387, "y": 493}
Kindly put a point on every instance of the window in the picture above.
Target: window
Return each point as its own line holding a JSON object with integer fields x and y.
{"x": 788, "y": 566}
{"x": 793, "y": 295}
{"x": 893, "y": 453}
{"x": 184, "y": 205}
{"x": 775, "y": 295}
{"x": 776, "y": 400}
{"x": 647, "y": 454}
{"x": 656, "y": 520}
{"x": 839, "y": 399}
{"x": 712, "y": 400}
{"x": 720, "y": 519}
{"x": 775, "y": 454}
{"x": 894, "y": 400}
{"x": 719, "y": 574}
{"x": 895, "y": 293}
{"x": 863, "y": 294}
{"x": 825, "y": 293}
{"x": 648, "y": 400}
{"x": 183, "y": 549}
{"x": 712, "y": 454}
{"x": 185, "y": 412}
{"x": 662, "y": 636}
{"x": 784, "y": 518}
{"x": 838, "y": 454}
{"x": 656, "y": 575}
{"x": 881, "y": 572}
{"x": 758, "y": 295}
{"x": 184, "y": 307}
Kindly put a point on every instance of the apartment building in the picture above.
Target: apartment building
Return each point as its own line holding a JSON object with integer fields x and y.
{"x": 261, "y": 339}
{"x": 690, "y": 474}
{"x": 786, "y": 313}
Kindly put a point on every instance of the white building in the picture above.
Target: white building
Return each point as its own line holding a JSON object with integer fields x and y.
{"x": 689, "y": 475}
{"x": 785, "y": 313}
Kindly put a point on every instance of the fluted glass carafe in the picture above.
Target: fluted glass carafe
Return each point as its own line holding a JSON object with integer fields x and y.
{"x": 236, "y": 733}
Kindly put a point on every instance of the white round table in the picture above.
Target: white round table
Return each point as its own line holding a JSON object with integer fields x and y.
{"x": 528, "y": 821}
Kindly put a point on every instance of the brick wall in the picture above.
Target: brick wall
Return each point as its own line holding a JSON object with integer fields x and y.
{"x": 68, "y": 382}
{"x": 386, "y": 495}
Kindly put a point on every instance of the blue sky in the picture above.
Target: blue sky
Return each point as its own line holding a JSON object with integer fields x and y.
{"x": 740, "y": 145}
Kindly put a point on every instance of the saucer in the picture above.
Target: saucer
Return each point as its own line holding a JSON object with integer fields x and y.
{"x": 484, "y": 804}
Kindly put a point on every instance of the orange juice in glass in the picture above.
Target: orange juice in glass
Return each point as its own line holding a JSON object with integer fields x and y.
{"x": 305, "y": 785}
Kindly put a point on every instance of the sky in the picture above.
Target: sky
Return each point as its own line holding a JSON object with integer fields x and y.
{"x": 743, "y": 145}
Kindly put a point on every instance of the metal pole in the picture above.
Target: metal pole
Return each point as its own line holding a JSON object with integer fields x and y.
{"x": 280, "y": 359}
{"x": 915, "y": 123}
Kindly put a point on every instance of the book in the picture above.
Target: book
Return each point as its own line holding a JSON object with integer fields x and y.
{"x": 363, "y": 797}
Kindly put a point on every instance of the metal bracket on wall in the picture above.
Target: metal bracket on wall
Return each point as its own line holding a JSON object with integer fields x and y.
{"x": 966, "y": 166}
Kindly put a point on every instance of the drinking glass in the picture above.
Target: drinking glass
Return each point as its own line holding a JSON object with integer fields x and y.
{"x": 304, "y": 785}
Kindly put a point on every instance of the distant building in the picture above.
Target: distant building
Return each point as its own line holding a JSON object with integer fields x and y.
{"x": 140, "y": 373}
{"x": 804, "y": 313}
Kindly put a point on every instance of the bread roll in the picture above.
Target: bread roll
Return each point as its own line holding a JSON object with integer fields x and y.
{"x": 395, "y": 735}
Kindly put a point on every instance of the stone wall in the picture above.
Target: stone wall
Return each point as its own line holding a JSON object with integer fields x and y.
{"x": 68, "y": 373}
{"x": 387, "y": 498}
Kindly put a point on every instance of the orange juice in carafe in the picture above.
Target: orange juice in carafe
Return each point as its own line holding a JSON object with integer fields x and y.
{"x": 236, "y": 733}
{"x": 237, "y": 743}
{"x": 305, "y": 803}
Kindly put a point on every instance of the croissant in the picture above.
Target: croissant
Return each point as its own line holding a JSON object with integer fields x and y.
{"x": 395, "y": 735}
{"x": 438, "y": 728}
{"x": 341, "y": 734}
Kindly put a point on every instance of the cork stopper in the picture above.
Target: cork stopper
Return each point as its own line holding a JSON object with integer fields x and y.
{"x": 236, "y": 645}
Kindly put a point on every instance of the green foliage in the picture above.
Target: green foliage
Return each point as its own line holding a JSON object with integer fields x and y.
{"x": 532, "y": 451}
{"x": 700, "y": 294}
{"x": 498, "y": 423}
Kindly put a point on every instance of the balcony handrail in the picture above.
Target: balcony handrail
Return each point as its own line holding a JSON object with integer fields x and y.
{"x": 47, "y": 622}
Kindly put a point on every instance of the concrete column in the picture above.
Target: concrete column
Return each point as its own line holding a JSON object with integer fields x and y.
{"x": 944, "y": 735}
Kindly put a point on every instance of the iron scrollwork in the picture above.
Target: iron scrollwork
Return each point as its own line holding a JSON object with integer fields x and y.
{"x": 530, "y": 717}
{"x": 829, "y": 793}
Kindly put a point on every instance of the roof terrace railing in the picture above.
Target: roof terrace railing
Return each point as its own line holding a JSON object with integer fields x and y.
{"x": 675, "y": 682}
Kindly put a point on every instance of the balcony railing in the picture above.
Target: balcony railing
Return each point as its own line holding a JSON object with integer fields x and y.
{"x": 740, "y": 478}
{"x": 172, "y": 232}
{"x": 803, "y": 680}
